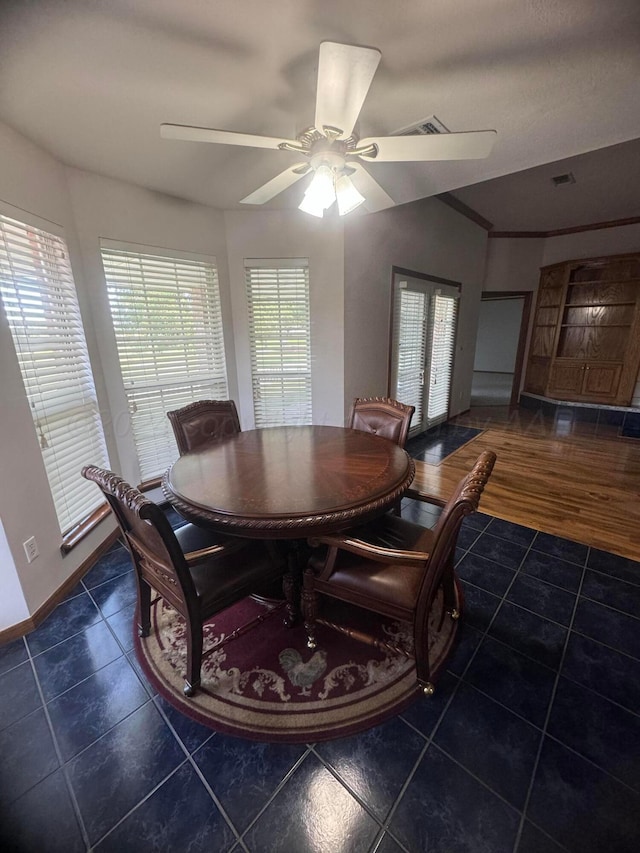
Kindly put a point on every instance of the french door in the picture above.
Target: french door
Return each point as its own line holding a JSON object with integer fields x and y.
{"x": 424, "y": 320}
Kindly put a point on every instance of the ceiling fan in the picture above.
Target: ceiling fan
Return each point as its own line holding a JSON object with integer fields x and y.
{"x": 332, "y": 150}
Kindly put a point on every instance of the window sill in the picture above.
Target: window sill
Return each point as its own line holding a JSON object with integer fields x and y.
{"x": 77, "y": 533}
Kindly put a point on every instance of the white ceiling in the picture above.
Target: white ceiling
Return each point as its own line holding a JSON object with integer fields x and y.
{"x": 92, "y": 80}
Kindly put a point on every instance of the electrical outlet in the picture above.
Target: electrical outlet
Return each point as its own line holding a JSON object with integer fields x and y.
{"x": 31, "y": 548}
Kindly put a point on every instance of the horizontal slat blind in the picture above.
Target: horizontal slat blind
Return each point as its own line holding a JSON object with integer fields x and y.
{"x": 40, "y": 301}
{"x": 410, "y": 353}
{"x": 443, "y": 339}
{"x": 168, "y": 327}
{"x": 280, "y": 341}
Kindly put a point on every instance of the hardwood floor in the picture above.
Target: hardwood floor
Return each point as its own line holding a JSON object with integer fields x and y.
{"x": 577, "y": 481}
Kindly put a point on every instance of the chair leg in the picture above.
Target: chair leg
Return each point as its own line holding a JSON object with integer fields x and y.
{"x": 194, "y": 658}
{"x": 423, "y": 670}
{"x": 310, "y": 608}
{"x": 292, "y": 581}
{"x": 144, "y": 608}
{"x": 450, "y": 594}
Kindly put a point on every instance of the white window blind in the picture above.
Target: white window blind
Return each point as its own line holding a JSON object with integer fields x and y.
{"x": 441, "y": 365}
{"x": 168, "y": 328}
{"x": 423, "y": 338}
{"x": 410, "y": 354}
{"x": 280, "y": 341}
{"x": 40, "y": 301}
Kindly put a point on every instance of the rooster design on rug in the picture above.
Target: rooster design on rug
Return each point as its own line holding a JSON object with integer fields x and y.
{"x": 303, "y": 673}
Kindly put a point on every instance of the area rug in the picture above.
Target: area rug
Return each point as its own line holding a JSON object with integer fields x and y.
{"x": 261, "y": 682}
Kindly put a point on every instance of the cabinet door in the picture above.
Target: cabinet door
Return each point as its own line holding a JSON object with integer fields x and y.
{"x": 588, "y": 381}
{"x": 537, "y": 375}
{"x": 601, "y": 380}
{"x": 565, "y": 378}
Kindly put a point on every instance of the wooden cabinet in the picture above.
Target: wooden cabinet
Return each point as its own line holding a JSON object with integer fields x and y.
{"x": 576, "y": 380}
{"x": 585, "y": 342}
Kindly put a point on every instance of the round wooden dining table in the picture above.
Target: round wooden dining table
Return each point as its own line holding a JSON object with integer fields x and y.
{"x": 289, "y": 482}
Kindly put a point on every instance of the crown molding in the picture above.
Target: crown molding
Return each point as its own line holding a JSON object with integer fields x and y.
{"x": 559, "y": 232}
{"x": 462, "y": 208}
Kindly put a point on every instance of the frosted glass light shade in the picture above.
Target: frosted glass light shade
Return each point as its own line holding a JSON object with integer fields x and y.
{"x": 321, "y": 192}
{"x": 310, "y": 205}
{"x": 347, "y": 195}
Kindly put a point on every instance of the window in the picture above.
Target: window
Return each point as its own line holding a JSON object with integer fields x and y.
{"x": 280, "y": 341}
{"x": 424, "y": 330}
{"x": 168, "y": 327}
{"x": 40, "y": 301}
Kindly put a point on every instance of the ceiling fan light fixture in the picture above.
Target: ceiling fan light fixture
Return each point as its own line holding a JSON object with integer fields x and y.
{"x": 310, "y": 205}
{"x": 347, "y": 195}
{"x": 321, "y": 192}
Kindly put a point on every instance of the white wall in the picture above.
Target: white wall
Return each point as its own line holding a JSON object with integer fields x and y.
{"x": 289, "y": 234}
{"x": 514, "y": 264}
{"x": 33, "y": 188}
{"x": 13, "y": 607}
{"x": 498, "y": 335}
{"x": 592, "y": 244}
{"x": 426, "y": 237}
{"x": 110, "y": 209}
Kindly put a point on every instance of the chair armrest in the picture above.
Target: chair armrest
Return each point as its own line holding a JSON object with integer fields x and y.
{"x": 193, "y": 558}
{"x": 416, "y": 495}
{"x": 377, "y": 553}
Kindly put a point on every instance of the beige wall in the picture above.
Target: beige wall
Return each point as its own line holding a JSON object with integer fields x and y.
{"x": 113, "y": 210}
{"x": 426, "y": 237}
{"x": 592, "y": 244}
{"x": 287, "y": 234}
{"x": 33, "y": 188}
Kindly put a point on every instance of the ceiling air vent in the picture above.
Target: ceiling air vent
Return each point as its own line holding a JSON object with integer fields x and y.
{"x": 421, "y": 128}
{"x": 560, "y": 180}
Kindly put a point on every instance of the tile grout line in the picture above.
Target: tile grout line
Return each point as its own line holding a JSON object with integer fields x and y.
{"x": 308, "y": 751}
{"x": 549, "y": 709}
{"x": 194, "y": 765}
{"x": 62, "y": 765}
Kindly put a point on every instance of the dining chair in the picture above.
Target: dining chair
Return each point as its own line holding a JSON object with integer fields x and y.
{"x": 199, "y": 423}
{"x": 382, "y": 416}
{"x": 395, "y": 568}
{"x": 196, "y": 585}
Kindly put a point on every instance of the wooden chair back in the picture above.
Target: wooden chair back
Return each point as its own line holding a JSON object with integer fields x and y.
{"x": 462, "y": 503}
{"x": 203, "y": 421}
{"x": 157, "y": 556}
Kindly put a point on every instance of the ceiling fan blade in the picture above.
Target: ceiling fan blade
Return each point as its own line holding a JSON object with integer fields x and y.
{"x": 277, "y": 185}
{"x": 375, "y": 197}
{"x": 345, "y": 73}
{"x": 432, "y": 146}
{"x": 223, "y": 137}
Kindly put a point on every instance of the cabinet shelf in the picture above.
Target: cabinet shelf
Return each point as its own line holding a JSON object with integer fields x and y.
{"x": 596, "y": 304}
{"x": 581, "y": 282}
{"x": 596, "y": 325}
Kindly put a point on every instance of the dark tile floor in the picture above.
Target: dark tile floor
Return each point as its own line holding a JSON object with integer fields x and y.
{"x": 437, "y": 443}
{"x": 530, "y": 744}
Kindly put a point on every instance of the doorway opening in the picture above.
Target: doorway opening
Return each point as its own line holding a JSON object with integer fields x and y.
{"x": 502, "y": 333}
